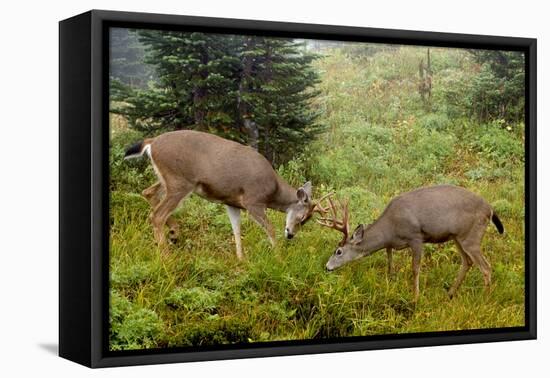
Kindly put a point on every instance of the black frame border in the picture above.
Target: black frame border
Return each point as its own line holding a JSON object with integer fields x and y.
{"x": 84, "y": 246}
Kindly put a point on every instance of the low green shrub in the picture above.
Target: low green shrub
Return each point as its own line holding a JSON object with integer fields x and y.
{"x": 435, "y": 121}
{"x": 215, "y": 331}
{"x": 197, "y": 299}
{"x": 133, "y": 327}
{"x": 498, "y": 144}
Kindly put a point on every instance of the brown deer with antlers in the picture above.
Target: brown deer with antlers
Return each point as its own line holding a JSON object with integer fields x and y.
{"x": 427, "y": 215}
{"x": 223, "y": 171}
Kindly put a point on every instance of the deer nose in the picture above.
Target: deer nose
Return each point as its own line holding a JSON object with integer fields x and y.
{"x": 288, "y": 234}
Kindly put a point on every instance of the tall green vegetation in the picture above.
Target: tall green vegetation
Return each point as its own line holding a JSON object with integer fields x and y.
{"x": 380, "y": 140}
{"x": 494, "y": 89}
{"x": 251, "y": 89}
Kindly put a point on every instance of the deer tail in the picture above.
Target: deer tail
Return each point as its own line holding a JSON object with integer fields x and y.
{"x": 137, "y": 149}
{"x": 497, "y": 222}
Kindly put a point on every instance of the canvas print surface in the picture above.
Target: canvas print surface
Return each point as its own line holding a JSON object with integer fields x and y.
{"x": 270, "y": 189}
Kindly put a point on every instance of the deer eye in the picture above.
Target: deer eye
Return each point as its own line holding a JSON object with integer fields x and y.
{"x": 339, "y": 252}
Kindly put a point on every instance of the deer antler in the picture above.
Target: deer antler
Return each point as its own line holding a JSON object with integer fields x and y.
{"x": 318, "y": 207}
{"x": 338, "y": 225}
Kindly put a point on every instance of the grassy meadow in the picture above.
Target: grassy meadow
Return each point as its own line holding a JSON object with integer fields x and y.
{"x": 380, "y": 140}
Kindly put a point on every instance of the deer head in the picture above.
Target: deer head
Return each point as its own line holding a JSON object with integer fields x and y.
{"x": 348, "y": 249}
{"x": 300, "y": 212}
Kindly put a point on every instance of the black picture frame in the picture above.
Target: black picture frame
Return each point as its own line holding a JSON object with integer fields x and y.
{"x": 84, "y": 196}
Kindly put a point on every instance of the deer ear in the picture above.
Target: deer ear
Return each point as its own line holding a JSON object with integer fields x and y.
{"x": 304, "y": 193}
{"x": 359, "y": 233}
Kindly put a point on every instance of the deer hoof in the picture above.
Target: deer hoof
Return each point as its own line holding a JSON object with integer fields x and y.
{"x": 173, "y": 236}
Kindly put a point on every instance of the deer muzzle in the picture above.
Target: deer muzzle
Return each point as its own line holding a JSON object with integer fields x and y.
{"x": 288, "y": 235}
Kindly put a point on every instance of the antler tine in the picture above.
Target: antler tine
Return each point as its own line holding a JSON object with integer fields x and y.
{"x": 332, "y": 208}
{"x": 325, "y": 222}
{"x": 339, "y": 225}
{"x": 330, "y": 194}
{"x": 338, "y": 222}
{"x": 345, "y": 220}
{"x": 318, "y": 205}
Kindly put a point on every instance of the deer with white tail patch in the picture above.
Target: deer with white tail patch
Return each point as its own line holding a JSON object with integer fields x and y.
{"x": 222, "y": 171}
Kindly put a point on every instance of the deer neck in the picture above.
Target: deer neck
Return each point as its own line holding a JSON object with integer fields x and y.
{"x": 284, "y": 197}
{"x": 375, "y": 238}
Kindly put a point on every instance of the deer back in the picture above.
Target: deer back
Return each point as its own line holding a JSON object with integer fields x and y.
{"x": 434, "y": 214}
{"x": 218, "y": 169}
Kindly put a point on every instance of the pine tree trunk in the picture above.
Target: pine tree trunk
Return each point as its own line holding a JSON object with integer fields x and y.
{"x": 198, "y": 97}
{"x": 425, "y": 86}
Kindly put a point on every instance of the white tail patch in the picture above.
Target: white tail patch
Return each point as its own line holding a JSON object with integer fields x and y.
{"x": 145, "y": 149}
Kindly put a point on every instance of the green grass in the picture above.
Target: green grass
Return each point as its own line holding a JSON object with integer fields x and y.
{"x": 379, "y": 142}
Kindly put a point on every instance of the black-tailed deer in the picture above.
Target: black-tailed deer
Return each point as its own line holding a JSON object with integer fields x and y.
{"x": 427, "y": 215}
{"x": 223, "y": 171}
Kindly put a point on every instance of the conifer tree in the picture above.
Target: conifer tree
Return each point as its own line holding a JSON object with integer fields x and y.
{"x": 283, "y": 81}
{"x": 196, "y": 76}
{"x": 497, "y": 92}
{"x": 252, "y": 89}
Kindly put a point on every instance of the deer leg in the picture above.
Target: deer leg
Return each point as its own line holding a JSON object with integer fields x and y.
{"x": 153, "y": 195}
{"x": 466, "y": 265}
{"x": 389, "y": 256}
{"x": 471, "y": 244}
{"x": 235, "y": 218}
{"x": 258, "y": 214}
{"x": 486, "y": 271}
{"x": 416, "y": 256}
{"x": 163, "y": 210}
{"x": 483, "y": 265}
